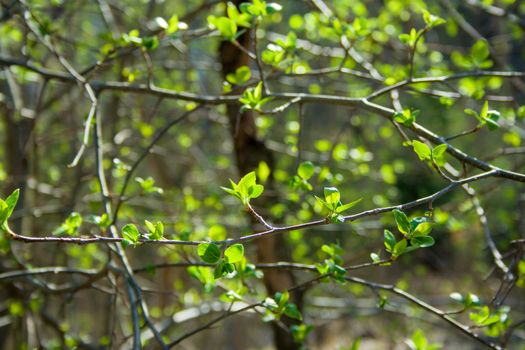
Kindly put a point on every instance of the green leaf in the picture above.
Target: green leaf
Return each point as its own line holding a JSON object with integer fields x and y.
{"x": 227, "y": 27}
{"x": 479, "y": 51}
{"x": 438, "y": 154}
{"x": 3, "y": 212}
{"x": 347, "y": 206}
{"x": 390, "y": 241}
{"x": 282, "y": 298}
{"x": 149, "y": 226}
{"x": 158, "y": 231}
{"x": 219, "y": 270}
{"x": 11, "y": 201}
{"x": 422, "y": 241}
{"x": 234, "y": 253}
{"x": 406, "y": 117}
{"x": 246, "y": 182}
{"x": 399, "y": 248}
{"x": 419, "y": 340}
{"x": 257, "y": 92}
{"x": 492, "y": 120}
{"x": 471, "y": 112}
{"x": 439, "y": 150}
{"x": 130, "y": 233}
{"x": 423, "y": 229}
{"x": 422, "y": 150}
{"x": 241, "y": 75}
{"x": 7, "y": 206}
{"x": 336, "y": 219}
{"x": 306, "y": 170}
{"x": 403, "y": 225}
{"x": 255, "y": 191}
{"x": 484, "y": 110}
{"x": 521, "y": 112}
{"x": 209, "y": 252}
{"x": 300, "y": 332}
{"x": 292, "y": 311}
{"x": 332, "y": 196}
{"x": 432, "y": 20}
{"x": 273, "y": 7}
{"x": 230, "y": 191}
{"x": 483, "y": 317}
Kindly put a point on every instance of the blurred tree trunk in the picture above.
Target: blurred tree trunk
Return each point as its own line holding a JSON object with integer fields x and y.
{"x": 17, "y": 131}
{"x": 249, "y": 152}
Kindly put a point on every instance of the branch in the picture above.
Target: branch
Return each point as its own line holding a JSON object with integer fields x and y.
{"x": 423, "y": 305}
{"x": 274, "y": 230}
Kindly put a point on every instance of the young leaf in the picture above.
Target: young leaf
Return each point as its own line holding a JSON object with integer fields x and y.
{"x": 306, "y": 170}
{"x": 149, "y": 226}
{"x": 3, "y": 212}
{"x": 7, "y": 206}
{"x": 227, "y": 27}
{"x": 484, "y": 110}
{"x": 422, "y": 241}
{"x": 130, "y": 233}
{"x": 423, "y": 229}
{"x": 11, "y": 202}
{"x": 282, "y": 298}
{"x": 422, "y": 150}
{"x": 492, "y": 120}
{"x": 158, "y": 231}
{"x": 403, "y": 225}
{"x": 439, "y": 150}
{"x": 241, "y": 75}
{"x": 347, "y": 206}
{"x": 292, "y": 311}
{"x": 246, "y": 182}
{"x": 438, "y": 154}
{"x": 432, "y": 20}
{"x": 479, "y": 51}
{"x": 255, "y": 191}
{"x": 390, "y": 241}
{"x": 399, "y": 248}
{"x": 209, "y": 252}
{"x": 332, "y": 196}
{"x": 234, "y": 253}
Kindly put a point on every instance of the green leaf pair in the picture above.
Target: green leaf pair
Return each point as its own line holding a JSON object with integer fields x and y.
{"x": 418, "y": 341}
{"x": 148, "y": 185}
{"x": 260, "y": 8}
{"x": 252, "y": 98}
{"x": 279, "y": 305}
{"x": 478, "y": 58}
{"x": 486, "y": 117}
{"x": 241, "y": 76}
{"x": 436, "y": 154}
{"x": 432, "y": 20}
{"x": 406, "y": 117}
{"x": 211, "y": 254}
{"x": 131, "y": 235}
{"x": 334, "y": 205}
{"x": 155, "y": 231}
{"x": 246, "y": 189}
{"x": 304, "y": 172}
{"x": 70, "y": 226}
{"x": 414, "y": 231}
{"x": 333, "y": 265}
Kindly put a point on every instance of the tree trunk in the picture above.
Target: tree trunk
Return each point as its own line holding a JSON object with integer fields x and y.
{"x": 249, "y": 152}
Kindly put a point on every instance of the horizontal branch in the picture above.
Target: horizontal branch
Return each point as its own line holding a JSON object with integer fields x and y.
{"x": 273, "y": 230}
{"x": 421, "y": 304}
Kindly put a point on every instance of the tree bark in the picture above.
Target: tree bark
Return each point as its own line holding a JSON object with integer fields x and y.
{"x": 249, "y": 152}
